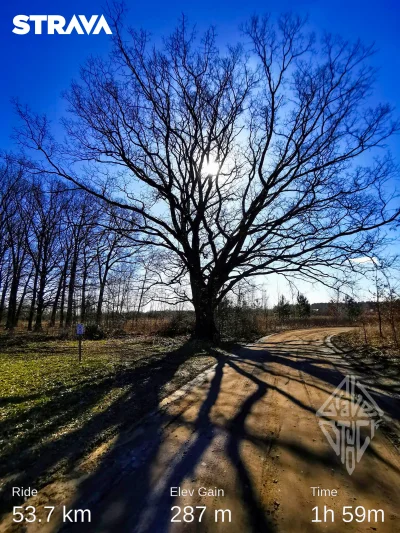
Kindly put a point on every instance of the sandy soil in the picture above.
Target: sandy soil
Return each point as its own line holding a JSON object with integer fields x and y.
{"x": 249, "y": 428}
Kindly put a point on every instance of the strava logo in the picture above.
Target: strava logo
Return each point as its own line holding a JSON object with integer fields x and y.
{"x": 51, "y": 24}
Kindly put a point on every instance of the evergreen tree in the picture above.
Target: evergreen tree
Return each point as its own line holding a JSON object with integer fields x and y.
{"x": 353, "y": 308}
{"x": 303, "y": 306}
{"x": 283, "y": 308}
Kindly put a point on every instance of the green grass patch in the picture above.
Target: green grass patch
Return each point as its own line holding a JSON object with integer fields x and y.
{"x": 53, "y": 410}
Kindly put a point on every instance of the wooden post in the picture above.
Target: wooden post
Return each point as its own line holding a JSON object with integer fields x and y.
{"x": 80, "y": 330}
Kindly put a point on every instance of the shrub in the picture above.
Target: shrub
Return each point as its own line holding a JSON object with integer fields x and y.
{"x": 94, "y": 332}
{"x": 181, "y": 323}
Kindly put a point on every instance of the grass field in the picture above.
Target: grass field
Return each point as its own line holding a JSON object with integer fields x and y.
{"x": 53, "y": 410}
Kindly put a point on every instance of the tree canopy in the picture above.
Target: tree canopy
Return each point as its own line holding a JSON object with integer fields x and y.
{"x": 237, "y": 162}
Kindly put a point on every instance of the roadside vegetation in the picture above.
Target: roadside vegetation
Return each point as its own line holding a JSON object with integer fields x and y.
{"x": 378, "y": 328}
{"x": 54, "y": 411}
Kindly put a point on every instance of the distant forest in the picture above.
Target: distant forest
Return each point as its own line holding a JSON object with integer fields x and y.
{"x": 62, "y": 253}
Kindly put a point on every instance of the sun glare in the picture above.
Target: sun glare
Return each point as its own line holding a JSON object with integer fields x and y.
{"x": 211, "y": 167}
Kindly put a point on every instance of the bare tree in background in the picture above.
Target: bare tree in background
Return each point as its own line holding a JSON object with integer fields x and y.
{"x": 58, "y": 247}
{"x": 11, "y": 252}
{"x": 236, "y": 163}
{"x": 15, "y": 238}
{"x": 112, "y": 247}
{"x": 42, "y": 214}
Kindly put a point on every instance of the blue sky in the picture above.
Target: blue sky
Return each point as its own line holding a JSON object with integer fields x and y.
{"x": 37, "y": 68}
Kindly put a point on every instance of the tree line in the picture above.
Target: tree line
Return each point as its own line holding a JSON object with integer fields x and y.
{"x": 266, "y": 157}
{"x": 63, "y": 253}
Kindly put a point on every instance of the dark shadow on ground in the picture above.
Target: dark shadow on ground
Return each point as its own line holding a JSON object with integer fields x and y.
{"x": 320, "y": 368}
{"x": 134, "y": 507}
{"x": 45, "y": 448}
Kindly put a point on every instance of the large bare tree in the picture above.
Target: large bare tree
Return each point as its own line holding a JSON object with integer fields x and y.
{"x": 253, "y": 160}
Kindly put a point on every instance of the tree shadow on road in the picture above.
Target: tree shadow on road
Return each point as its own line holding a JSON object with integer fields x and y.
{"x": 125, "y": 493}
{"x": 140, "y": 503}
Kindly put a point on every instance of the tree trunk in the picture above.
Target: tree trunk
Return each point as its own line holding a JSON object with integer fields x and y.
{"x": 204, "y": 306}
{"x": 3, "y": 295}
{"x": 205, "y": 327}
{"x": 21, "y": 301}
{"x": 62, "y": 304}
{"x": 17, "y": 266}
{"x": 141, "y": 295}
{"x": 52, "y": 321}
{"x": 12, "y": 303}
{"x": 99, "y": 311}
{"x": 83, "y": 298}
{"x": 40, "y": 302}
{"x": 392, "y": 320}
{"x": 71, "y": 290}
{"x": 33, "y": 302}
{"x": 378, "y": 304}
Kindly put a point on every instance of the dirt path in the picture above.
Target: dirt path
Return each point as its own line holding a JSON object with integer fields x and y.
{"x": 248, "y": 434}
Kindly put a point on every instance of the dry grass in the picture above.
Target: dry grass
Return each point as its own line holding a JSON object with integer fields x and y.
{"x": 368, "y": 335}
